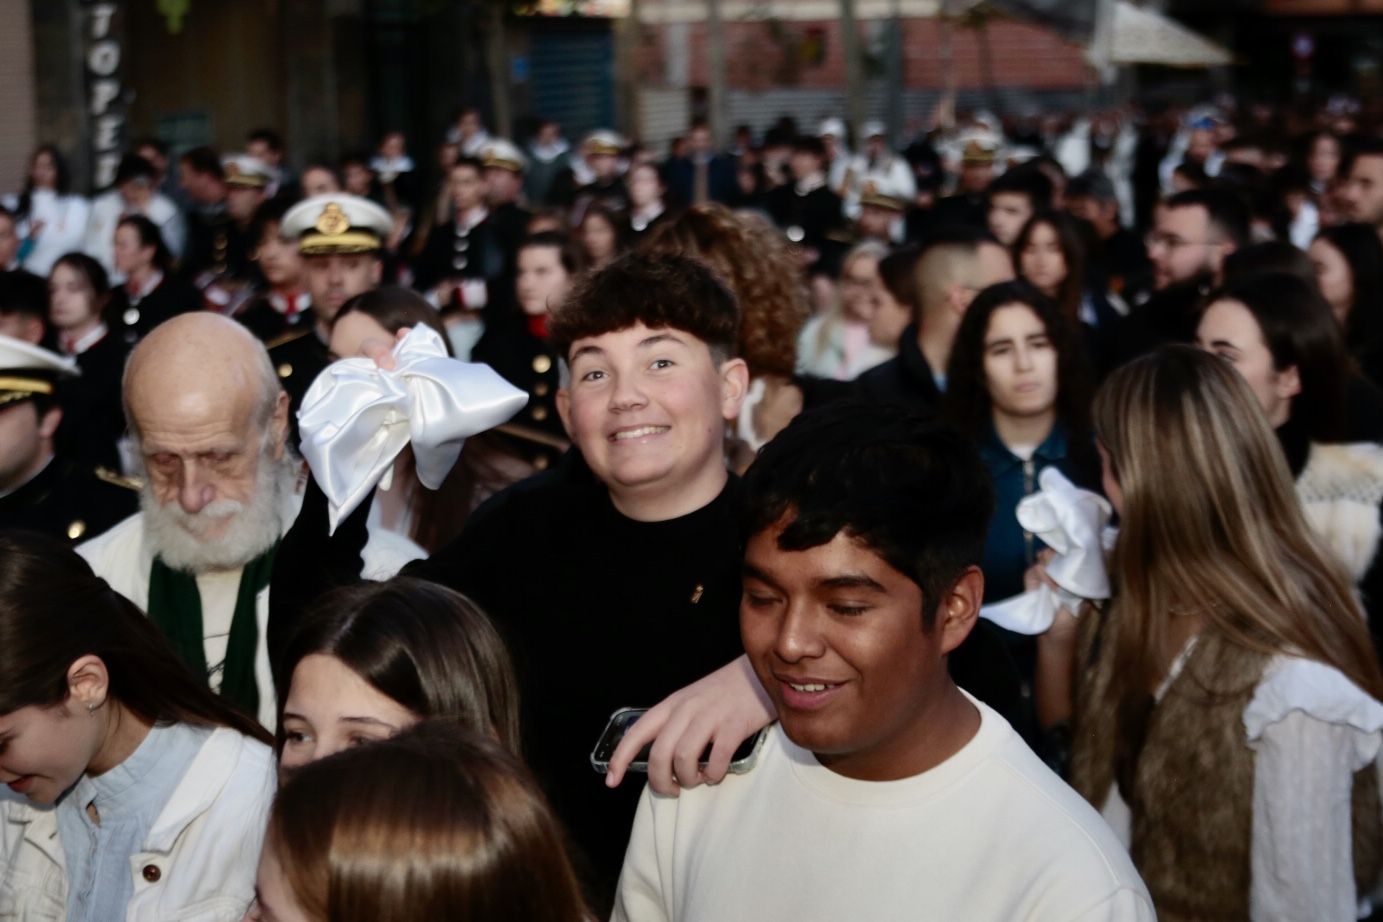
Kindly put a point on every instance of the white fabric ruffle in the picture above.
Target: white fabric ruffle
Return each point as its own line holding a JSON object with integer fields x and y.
{"x": 1292, "y": 683}
{"x": 1072, "y": 522}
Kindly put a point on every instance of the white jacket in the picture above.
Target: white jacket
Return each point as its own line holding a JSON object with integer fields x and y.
{"x": 198, "y": 863}
{"x": 106, "y": 212}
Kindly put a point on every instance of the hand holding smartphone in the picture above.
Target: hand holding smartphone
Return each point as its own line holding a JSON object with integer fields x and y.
{"x": 742, "y": 761}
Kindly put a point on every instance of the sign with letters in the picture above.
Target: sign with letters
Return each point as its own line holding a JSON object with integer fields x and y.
{"x": 105, "y": 98}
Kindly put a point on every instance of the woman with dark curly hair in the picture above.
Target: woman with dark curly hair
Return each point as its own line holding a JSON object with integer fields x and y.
{"x": 753, "y": 259}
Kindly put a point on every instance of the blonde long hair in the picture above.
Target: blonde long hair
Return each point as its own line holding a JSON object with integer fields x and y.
{"x": 1211, "y": 524}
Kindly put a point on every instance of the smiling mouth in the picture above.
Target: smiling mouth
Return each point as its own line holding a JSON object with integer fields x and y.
{"x": 640, "y": 432}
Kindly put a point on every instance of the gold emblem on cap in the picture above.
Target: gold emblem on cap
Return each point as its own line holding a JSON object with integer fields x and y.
{"x": 333, "y": 221}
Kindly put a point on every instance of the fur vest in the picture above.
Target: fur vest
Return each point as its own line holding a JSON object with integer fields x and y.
{"x": 1340, "y": 490}
{"x": 1189, "y": 786}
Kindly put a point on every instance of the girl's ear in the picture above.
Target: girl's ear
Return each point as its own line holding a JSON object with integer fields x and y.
{"x": 88, "y": 682}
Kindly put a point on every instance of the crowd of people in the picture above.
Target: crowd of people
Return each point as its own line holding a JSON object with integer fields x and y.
{"x": 772, "y": 422}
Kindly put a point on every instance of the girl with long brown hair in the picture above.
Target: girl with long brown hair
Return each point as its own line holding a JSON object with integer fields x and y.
{"x": 1226, "y": 703}
{"x": 436, "y": 823}
{"x": 142, "y": 796}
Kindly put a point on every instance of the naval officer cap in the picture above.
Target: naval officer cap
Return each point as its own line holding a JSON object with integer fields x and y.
{"x": 29, "y": 371}
{"x": 604, "y": 142}
{"x": 247, "y": 172}
{"x": 337, "y": 223}
{"x": 500, "y": 154}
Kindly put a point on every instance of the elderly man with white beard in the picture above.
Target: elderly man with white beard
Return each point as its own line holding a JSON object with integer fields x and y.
{"x": 210, "y": 421}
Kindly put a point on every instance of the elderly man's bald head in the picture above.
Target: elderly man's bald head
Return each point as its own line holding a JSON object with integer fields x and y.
{"x": 201, "y": 363}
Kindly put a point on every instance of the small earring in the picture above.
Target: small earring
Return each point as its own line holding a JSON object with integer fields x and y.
{"x": 91, "y": 709}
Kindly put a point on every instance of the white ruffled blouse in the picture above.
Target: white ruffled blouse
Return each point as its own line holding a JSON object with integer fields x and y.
{"x": 1311, "y": 729}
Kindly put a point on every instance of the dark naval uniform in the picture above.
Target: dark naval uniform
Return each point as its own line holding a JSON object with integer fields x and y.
{"x": 131, "y": 320}
{"x": 69, "y": 501}
{"x": 299, "y": 357}
{"x": 270, "y": 323}
{"x": 527, "y": 361}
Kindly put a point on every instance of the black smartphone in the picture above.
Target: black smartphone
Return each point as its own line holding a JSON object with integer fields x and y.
{"x": 620, "y": 722}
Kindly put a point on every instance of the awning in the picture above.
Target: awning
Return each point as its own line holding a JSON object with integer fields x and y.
{"x": 1144, "y": 37}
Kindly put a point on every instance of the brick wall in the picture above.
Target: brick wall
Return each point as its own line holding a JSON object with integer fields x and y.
{"x": 767, "y": 55}
{"x": 17, "y": 115}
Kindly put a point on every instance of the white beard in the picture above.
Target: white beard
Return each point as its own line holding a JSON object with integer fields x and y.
{"x": 178, "y": 538}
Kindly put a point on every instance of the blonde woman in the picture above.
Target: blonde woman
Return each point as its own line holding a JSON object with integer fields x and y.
{"x": 1226, "y": 713}
{"x": 835, "y": 344}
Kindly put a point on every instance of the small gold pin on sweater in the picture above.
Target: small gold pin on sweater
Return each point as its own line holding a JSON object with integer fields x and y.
{"x": 696, "y": 593}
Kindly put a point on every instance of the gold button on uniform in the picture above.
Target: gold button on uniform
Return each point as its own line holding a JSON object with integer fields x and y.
{"x": 541, "y": 364}
{"x": 540, "y": 389}
{"x": 152, "y": 873}
{"x": 540, "y": 413}
{"x": 285, "y": 370}
{"x": 76, "y": 530}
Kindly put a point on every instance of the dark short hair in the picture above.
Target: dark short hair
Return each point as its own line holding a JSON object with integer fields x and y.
{"x": 658, "y": 290}
{"x": 1360, "y": 146}
{"x": 896, "y": 271}
{"x": 471, "y": 163}
{"x": 269, "y": 137}
{"x": 1226, "y": 211}
{"x": 203, "y": 160}
{"x": 270, "y": 211}
{"x": 131, "y": 167}
{"x": 568, "y": 253}
{"x": 23, "y": 293}
{"x": 809, "y": 144}
{"x": 149, "y": 236}
{"x": 1092, "y": 184}
{"x": 1269, "y": 256}
{"x": 1027, "y": 181}
{"x": 89, "y": 269}
{"x": 149, "y": 140}
{"x": 911, "y": 491}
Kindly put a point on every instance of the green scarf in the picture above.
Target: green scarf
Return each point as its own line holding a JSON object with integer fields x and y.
{"x": 175, "y": 605}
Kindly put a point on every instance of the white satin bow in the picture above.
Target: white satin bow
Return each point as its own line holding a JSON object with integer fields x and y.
{"x": 356, "y": 417}
{"x": 1071, "y": 522}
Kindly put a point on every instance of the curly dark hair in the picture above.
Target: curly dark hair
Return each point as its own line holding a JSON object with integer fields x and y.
{"x": 755, "y": 262}
{"x": 659, "y": 291}
{"x": 967, "y": 405}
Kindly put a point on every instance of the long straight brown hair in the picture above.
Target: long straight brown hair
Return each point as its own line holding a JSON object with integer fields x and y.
{"x": 1211, "y": 525}
{"x": 436, "y": 823}
{"x": 54, "y": 610}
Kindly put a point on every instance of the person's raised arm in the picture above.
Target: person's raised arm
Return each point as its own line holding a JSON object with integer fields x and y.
{"x": 310, "y": 560}
{"x": 722, "y": 710}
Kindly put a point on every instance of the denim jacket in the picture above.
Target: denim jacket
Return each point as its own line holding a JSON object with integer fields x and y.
{"x": 1008, "y": 549}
